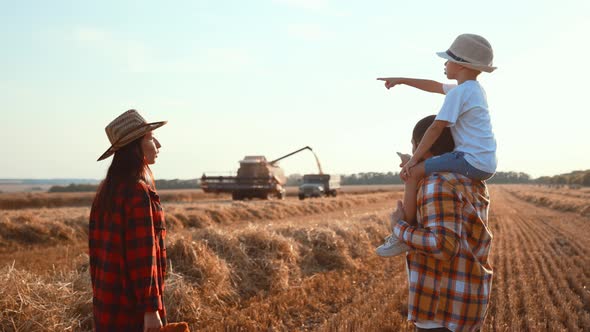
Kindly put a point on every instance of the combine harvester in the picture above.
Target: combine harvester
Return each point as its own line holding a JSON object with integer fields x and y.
{"x": 256, "y": 178}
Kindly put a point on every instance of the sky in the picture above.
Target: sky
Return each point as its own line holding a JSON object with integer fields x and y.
{"x": 267, "y": 77}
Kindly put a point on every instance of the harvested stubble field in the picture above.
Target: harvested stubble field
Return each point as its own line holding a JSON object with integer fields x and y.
{"x": 24, "y": 200}
{"x": 302, "y": 266}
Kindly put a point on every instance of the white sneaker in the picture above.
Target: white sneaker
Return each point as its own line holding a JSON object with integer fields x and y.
{"x": 392, "y": 247}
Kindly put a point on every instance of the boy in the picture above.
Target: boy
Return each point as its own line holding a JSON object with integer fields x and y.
{"x": 465, "y": 111}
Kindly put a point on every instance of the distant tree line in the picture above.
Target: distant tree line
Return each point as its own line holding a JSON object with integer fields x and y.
{"x": 73, "y": 187}
{"x": 581, "y": 178}
{"x": 177, "y": 184}
{"x": 393, "y": 178}
{"x": 367, "y": 178}
{"x": 160, "y": 184}
{"x": 510, "y": 177}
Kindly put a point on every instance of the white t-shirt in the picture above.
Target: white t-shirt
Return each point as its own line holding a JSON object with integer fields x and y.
{"x": 466, "y": 110}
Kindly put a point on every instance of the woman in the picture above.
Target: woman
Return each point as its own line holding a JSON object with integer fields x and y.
{"x": 127, "y": 232}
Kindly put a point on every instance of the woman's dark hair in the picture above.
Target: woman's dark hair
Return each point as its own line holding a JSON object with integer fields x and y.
{"x": 445, "y": 142}
{"x": 127, "y": 166}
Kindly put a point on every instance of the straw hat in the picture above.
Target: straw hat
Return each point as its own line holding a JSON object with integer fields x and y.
{"x": 471, "y": 51}
{"x": 126, "y": 128}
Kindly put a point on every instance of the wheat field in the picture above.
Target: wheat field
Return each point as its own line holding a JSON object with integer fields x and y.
{"x": 297, "y": 265}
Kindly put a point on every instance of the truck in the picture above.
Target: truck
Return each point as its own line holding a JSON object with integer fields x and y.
{"x": 256, "y": 178}
{"x": 319, "y": 185}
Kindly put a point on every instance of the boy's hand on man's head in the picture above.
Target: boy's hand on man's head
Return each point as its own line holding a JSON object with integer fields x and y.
{"x": 390, "y": 82}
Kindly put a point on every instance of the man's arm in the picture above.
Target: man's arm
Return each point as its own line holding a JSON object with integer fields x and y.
{"x": 440, "y": 228}
{"x": 425, "y": 85}
{"x": 436, "y": 242}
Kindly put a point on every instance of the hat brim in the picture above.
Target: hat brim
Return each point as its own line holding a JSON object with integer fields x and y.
{"x": 487, "y": 69}
{"x": 132, "y": 136}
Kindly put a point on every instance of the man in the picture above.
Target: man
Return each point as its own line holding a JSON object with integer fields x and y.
{"x": 450, "y": 277}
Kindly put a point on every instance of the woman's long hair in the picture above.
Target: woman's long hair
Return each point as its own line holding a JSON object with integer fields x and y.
{"x": 128, "y": 166}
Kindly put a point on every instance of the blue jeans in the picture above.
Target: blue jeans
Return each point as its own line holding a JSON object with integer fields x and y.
{"x": 454, "y": 162}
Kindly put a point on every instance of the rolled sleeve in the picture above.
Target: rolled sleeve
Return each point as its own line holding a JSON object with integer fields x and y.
{"x": 435, "y": 242}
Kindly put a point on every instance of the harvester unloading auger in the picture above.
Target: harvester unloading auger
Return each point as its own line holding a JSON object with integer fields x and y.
{"x": 256, "y": 177}
{"x": 294, "y": 152}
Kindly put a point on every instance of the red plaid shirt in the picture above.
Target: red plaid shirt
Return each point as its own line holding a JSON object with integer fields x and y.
{"x": 127, "y": 259}
{"x": 450, "y": 277}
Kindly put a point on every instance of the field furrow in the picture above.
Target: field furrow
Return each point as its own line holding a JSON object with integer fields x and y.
{"x": 558, "y": 257}
{"x": 499, "y": 315}
{"x": 551, "y": 252}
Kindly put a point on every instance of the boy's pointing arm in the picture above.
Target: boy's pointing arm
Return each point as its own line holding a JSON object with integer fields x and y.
{"x": 425, "y": 85}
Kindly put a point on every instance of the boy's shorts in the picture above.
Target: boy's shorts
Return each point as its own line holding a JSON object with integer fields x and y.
{"x": 454, "y": 162}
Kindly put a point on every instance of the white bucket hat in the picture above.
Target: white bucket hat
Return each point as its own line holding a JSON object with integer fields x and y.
{"x": 126, "y": 128}
{"x": 471, "y": 51}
